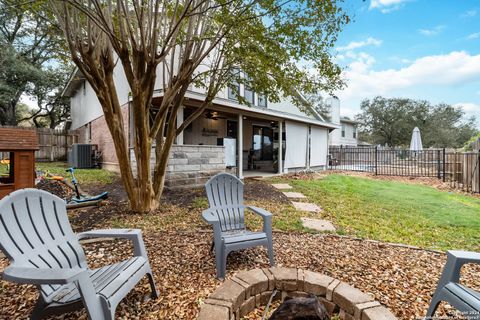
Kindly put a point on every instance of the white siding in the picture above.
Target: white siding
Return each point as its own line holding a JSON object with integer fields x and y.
{"x": 336, "y": 138}
{"x": 318, "y": 146}
{"x": 84, "y": 104}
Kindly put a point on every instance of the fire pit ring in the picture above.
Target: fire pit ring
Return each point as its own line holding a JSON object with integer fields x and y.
{"x": 248, "y": 290}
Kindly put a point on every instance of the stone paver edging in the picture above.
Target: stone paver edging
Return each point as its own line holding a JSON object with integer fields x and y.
{"x": 248, "y": 290}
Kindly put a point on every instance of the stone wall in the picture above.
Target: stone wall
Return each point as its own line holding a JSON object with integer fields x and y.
{"x": 190, "y": 165}
{"x": 193, "y": 165}
{"x": 248, "y": 290}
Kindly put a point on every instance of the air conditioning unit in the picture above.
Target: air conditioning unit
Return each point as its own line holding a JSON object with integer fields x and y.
{"x": 81, "y": 156}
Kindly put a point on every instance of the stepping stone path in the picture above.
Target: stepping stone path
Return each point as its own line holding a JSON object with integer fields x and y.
{"x": 305, "y": 206}
{"x": 282, "y": 186}
{"x": 317, "y": 224}
{"x": 295, "y": 195}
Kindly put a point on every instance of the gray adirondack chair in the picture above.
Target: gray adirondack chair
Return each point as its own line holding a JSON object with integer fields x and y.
{"x": 450, "y": 290}
{"x": 36, "y": 237}
{"x": 227, "y": 216}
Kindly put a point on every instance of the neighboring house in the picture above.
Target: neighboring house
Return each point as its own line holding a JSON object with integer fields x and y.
{"x": 348, "y": 134}
{"x": 259, "y": 139}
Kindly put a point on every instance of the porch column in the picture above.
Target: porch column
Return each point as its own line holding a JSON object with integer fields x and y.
{"x": 280, "y": 146}
{"x": 179, "y": 138}
{"x": 240, "y": 147}
{"x": 309, "y": 145}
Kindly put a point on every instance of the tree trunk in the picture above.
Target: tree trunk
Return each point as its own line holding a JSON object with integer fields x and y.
{"x": 10, "y": 116}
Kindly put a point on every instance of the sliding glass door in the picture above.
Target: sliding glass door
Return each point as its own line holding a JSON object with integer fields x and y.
{"x": 262, "y": 143}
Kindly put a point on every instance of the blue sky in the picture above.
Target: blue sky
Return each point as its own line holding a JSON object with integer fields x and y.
{"x": 422, "y": 49}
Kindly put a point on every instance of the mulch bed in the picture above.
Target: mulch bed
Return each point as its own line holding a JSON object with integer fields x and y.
{"x": 57, "y": 188}
{"x": 401, "y": 278}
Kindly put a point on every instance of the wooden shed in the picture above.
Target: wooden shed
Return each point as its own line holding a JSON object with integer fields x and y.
{"x": 17, "y": 159}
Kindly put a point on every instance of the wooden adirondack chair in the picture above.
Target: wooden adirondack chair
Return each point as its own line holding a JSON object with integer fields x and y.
{"x": 227, "y": 216}
{"x": 450, "y": 290}
{"x": 36, "y": 237}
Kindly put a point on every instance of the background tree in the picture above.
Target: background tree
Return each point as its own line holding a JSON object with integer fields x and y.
{"x": 391, "y": 122}
{"x": 200, "y": 42}
{"x": 52, "y": 109}
{"x": 320, "y": 104}
{"x": 30, "y": 42}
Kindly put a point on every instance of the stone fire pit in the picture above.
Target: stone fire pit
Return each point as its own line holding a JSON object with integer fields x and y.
{"x": 248, "y": 290}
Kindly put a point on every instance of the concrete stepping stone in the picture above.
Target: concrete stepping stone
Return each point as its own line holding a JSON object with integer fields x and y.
{"x": 305, "y": 206}
{"x": 317, "y": 224}
{"x": 295, "y": 195}
{"x": 282, "y": 186}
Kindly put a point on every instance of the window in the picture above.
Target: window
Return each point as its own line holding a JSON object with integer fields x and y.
{"x": 262, "y": 100}
{"x": 6, "y": 167}
{"x": 234, "y": 87}
{"x": 232, "y": 129}
{"x": 249, "y": 95}
{"x": 354, "y": 132}
{"x": 343, "y": 130}
{"x": 262, "y": 144}
{"x": 233, "y": 91}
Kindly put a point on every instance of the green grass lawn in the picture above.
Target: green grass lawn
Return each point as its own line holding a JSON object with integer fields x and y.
{"x": 83, "y": 175}
{"x": 396, "y": 212}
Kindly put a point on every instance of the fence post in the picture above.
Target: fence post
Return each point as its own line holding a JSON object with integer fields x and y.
{"x": 376, "y": 161}
{"x": 444, "y": 160}
{"x": 478, "y": 169}
{"x": 438, "y": 164}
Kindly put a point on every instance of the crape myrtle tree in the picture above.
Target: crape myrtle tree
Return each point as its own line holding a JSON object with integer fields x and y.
{"x": 202, "y": 43}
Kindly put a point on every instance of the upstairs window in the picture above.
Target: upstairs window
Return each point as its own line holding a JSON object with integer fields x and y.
{"x": 354, "y": 132}
{"x": 234, "y": 87}
{"x": 262, "y": 100}
{"x": 249, "y": 95}
{"x": 343, "y": 130}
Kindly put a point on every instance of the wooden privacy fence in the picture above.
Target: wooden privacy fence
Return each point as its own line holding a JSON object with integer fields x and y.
{"x": 54, "y": 143}
{"x": 460, "y": 169}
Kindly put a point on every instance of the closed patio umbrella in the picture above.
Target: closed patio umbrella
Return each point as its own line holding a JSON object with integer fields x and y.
{"x": 416, "y": 142}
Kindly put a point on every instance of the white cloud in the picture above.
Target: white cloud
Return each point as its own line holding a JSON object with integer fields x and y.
{"x": 469, "y": 13}
{"x": 471, "y": 109}
{"x": 473, "y": 36}
{"x": 432, "y": 32}
{"x": 359, "y": 44}
{"x": 451, "y": 69}
{"x": 386, "y": 6}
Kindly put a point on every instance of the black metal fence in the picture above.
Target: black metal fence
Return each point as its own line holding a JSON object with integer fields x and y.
{"x": 460, "y": 169}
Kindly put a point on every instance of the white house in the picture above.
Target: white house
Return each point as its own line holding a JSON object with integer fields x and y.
{"x": 347, "y": 135}
{"x": 260, "y": 139}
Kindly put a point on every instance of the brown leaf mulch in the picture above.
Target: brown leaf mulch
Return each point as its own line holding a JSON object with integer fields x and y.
{"x": 401, "y": 278}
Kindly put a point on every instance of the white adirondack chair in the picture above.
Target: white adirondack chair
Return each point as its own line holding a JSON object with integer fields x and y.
{"x": 227, "y": 216}
{"x": 36, "y": 237}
